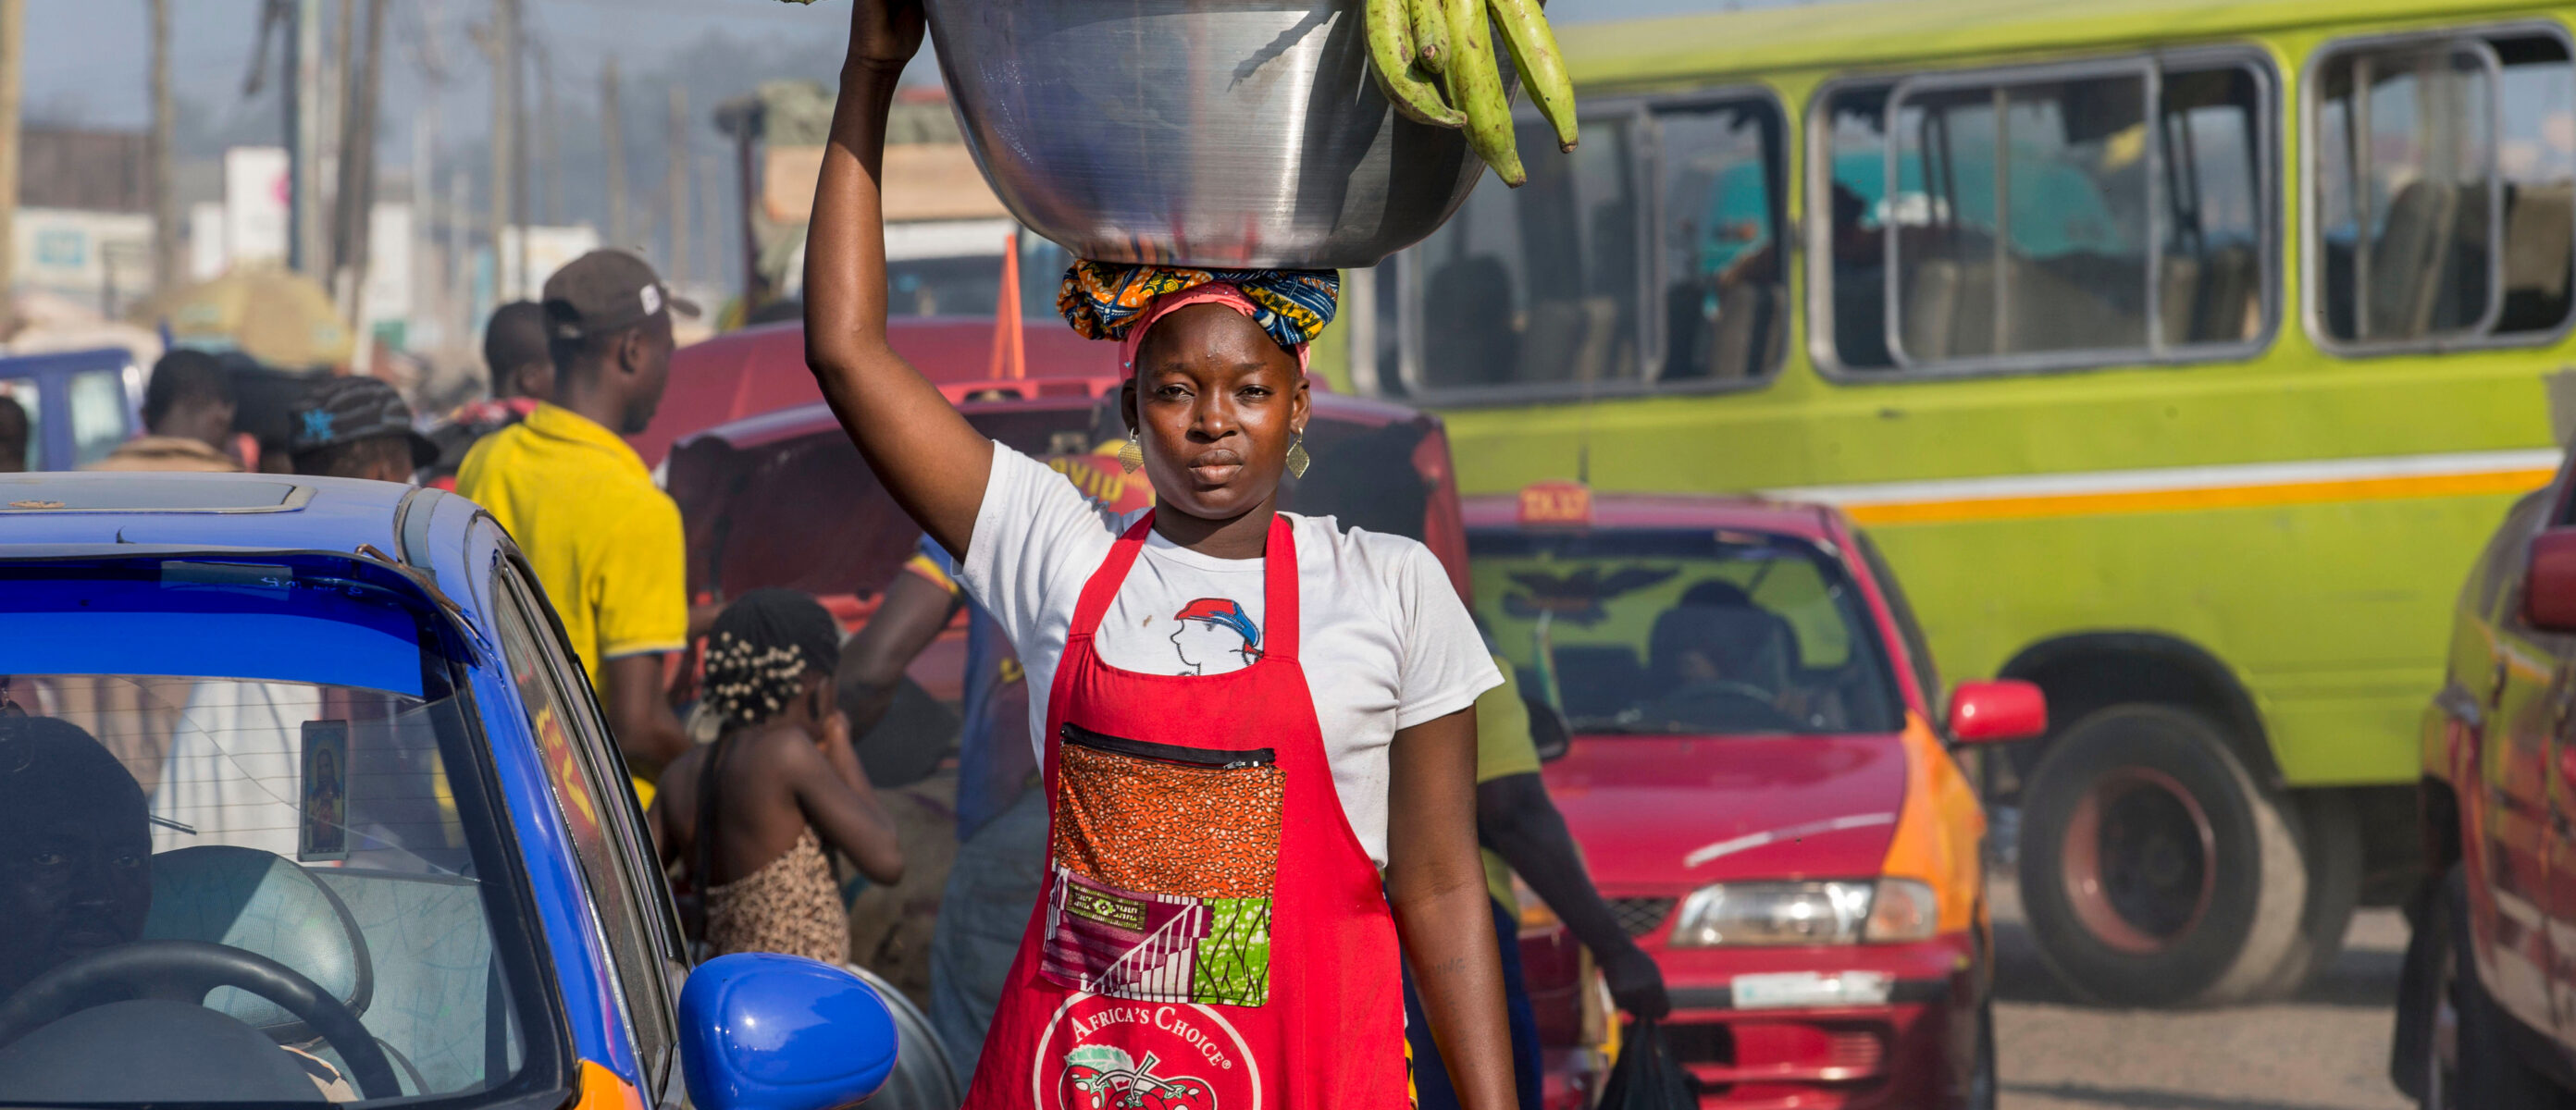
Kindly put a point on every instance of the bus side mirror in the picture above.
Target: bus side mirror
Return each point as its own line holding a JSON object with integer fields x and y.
{"x": 762, "y": 1031}
{"x": 1999, "y": 711}
{"x": 2549, "y": 582}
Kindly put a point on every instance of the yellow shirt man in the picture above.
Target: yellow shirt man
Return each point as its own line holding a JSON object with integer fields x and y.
{"x": 605, "y": 542}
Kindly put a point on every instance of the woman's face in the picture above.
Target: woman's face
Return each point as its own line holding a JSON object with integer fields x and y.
{"x": 1218, "y": 403}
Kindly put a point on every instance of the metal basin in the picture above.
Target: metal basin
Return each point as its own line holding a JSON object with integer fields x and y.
{"x": 1207, "y": 132}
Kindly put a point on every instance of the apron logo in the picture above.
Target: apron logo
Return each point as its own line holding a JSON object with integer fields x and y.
{"x": 1108, "y": 1054}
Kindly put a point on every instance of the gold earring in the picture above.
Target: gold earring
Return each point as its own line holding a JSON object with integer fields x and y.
{"x": 1131, "y": 454}
{"x": 1298, "y": 459}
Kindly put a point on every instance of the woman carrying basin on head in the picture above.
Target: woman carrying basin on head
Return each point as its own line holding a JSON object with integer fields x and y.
{"x": 1243, "y": 834}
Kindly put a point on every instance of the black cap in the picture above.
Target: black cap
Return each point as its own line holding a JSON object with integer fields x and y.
{"x": 605, "y": 290}
{"x": 342, "y": 409}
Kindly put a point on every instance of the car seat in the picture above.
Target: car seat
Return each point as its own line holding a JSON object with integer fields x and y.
{"x": 262, "y": 903}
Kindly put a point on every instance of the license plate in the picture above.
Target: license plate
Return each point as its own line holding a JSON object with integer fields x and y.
{"x": 1809, "y": 989}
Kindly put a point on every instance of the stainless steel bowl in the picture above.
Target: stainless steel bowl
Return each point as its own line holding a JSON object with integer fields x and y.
{"x": 1207, "y": 132}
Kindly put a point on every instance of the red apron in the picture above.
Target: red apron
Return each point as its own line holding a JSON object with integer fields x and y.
{"x": 1173, "y": 963}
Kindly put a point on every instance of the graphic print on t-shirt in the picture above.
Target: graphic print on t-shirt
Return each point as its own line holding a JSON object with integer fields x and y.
{"x": 1215, "y": 637}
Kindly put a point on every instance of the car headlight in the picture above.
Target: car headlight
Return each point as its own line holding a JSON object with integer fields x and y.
{"x": 1806, "y": 913}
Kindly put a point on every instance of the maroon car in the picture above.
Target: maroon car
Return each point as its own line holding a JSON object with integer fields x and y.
{"x": 2487, "y": 1002}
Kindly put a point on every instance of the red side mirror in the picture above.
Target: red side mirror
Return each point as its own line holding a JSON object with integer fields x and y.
{"x": 1994, "y": 712}
{"x": 2549, "y": 585}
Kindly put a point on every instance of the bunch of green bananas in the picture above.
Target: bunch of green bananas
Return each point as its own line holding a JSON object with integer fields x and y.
{"x": 1412, "y": 42}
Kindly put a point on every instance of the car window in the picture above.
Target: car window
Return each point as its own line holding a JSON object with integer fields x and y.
{"x": 30, "y": 397}
{"x": 272, "y": 760}
{"x": 98, "y": 414}
{"x": 598, "y": 809}
{"x": 1684, "y": 631}
{"x": 2445, "y": 189}
{"x": 1918, "y": 650}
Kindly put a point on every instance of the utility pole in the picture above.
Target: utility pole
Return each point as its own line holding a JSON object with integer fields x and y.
{"x": 678, "y": 186}
{"x": 306, "y": 235}
{"x": 508, "y": 206}
{"x": 613, "y": 137}
{"x": 550, "y": 133}
{"x": 332, "y": 159}
{"x": 13, "y": 49}
{"x": 167, "y": 269}
{"x": 356, "y": 200}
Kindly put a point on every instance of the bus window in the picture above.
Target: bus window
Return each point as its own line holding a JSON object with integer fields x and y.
{"x": 1724, "y": 289}
{"x": 1857, "y": 139}
{"x": 2217, "y": 213}
{"x": 2445, "y": 189}
{"x": 2029, "y": 219}
{"x": 2043, "y": 221}
{"x": 1536, "y": 285}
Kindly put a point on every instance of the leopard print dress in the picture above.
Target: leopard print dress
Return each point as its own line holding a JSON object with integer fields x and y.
{"x": 790, "y": 905}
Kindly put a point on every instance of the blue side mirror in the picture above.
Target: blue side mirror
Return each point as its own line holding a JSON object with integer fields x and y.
{"x": 760, "y": 1031}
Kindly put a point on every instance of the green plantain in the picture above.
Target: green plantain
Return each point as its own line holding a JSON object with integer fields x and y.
{"x": 1430, "y": 20}
{"x": 1476, "y": 87}
{"x": 1390, "y": 41}
{"x": 1542, "y": 69}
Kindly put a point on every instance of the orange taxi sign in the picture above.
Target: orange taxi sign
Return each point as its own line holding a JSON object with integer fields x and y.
{"x": 1556, "y": 504}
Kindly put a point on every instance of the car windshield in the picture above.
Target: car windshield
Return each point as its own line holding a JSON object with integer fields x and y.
{"x": 255, "y": 774}
{"x": 1683, "y": 631}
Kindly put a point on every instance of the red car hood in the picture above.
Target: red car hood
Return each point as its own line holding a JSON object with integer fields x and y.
{"x": 1663, "y": 814}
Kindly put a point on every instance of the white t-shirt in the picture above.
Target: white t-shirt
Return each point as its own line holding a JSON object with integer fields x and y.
{"x": 1383, "y": 639}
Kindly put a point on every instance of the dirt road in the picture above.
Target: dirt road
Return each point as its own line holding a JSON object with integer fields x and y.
{"x": 2326, "y": 1049}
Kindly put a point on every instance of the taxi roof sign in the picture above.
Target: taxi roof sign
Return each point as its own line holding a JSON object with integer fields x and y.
{"x": 1556, "y": 505}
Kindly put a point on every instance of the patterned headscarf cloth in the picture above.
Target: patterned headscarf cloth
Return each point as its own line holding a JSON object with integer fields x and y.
{"x": 1119, "y": 301}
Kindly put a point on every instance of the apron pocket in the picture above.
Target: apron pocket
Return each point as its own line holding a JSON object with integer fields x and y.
{"x": 1165, "y": 859}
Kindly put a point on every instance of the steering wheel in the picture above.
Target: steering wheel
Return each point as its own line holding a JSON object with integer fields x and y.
{"x": 1724, "y": 705}
{"x": 183, "y": 971}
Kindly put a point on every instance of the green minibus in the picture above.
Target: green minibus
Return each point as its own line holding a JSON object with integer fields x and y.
{"x": 2177, "y": 357}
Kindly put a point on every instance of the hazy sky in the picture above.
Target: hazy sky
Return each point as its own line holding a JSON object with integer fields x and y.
{"x": 86, "y": 58}
{"x": 87, "y": 66}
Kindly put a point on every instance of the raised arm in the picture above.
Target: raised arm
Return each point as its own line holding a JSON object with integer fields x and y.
{"x": 838, "y": 800}
{"x": 933, "y": 462}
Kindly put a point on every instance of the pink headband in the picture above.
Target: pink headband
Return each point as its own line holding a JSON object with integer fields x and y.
{"x": 1214, "y": 292}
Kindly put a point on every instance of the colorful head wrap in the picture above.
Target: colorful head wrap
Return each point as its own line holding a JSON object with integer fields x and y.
{"x": 1120, "y": 301}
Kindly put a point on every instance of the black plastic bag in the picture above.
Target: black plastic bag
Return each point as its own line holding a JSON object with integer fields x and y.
{"x": 1646, "y": 1077}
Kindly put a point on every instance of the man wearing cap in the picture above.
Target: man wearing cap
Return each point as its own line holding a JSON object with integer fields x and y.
{"x": 356, "y": 428}
{"x": 604, "y": 541}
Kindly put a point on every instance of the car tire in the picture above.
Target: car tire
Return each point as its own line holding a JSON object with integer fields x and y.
{"x": 2330, "y": 846}
{"x": 2485, "y": 1073}
{"x": 2155, "y": 870}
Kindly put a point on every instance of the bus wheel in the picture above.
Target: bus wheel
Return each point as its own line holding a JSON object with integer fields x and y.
{"x": 2330, "y": 842}
{"x": 2154, "y": 869}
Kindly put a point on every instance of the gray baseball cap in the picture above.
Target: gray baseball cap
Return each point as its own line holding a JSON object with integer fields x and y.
{"x": 606, "y": 290}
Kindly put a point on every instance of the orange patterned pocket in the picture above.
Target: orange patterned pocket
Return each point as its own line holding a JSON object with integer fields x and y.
{"x": 1165, "y": 858}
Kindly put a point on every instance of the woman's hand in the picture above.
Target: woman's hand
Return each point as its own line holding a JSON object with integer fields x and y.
{"x": 884, "y": 34}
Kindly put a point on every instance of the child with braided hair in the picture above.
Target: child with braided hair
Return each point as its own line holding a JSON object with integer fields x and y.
{"x": 741, "y": 815}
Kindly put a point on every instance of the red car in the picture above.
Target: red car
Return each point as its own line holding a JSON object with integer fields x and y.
{"x": 761, "y": 369}
{"x": 2486, "y": 1006}
{"x": 1757, "y": 780}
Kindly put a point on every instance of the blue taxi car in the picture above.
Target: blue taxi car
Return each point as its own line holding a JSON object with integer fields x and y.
{"x": 303, "y": 799}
